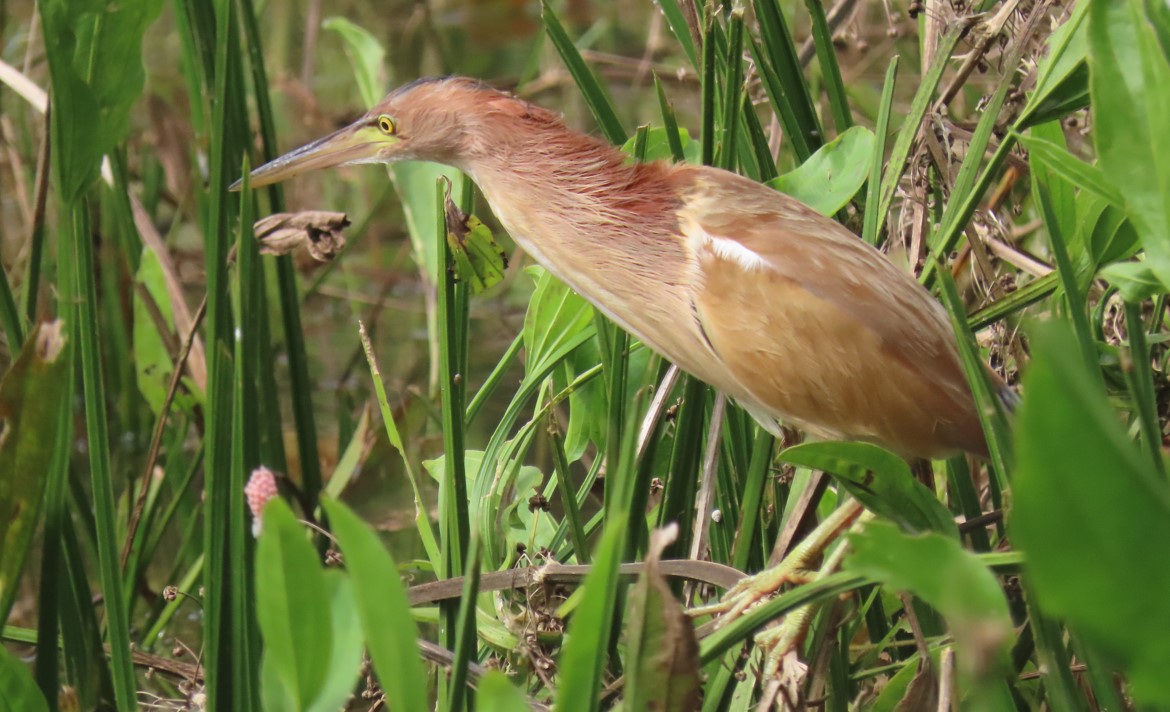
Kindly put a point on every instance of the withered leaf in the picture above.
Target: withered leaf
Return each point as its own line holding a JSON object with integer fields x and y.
{"x": 318, "y": 231}
{"x": 663, "y": 672}
{"x": 31, "y": 395}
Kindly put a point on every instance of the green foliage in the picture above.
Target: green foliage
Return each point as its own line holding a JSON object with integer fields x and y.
{"x": 31, "y": 398}
{"x": 583, "y": 661}
{"x": 829, "y": 179}
{"x": 18, "y": 692}
{"x": 289, "y": 581}
{"x": 94, "y": 53}
{"x": 939, "y": 572}
{"x": 366, "y": 57}
{"x": 1046, "y": 236}
{"x": 382, "y": 606}
{"x": 878, "y": 479}
{"x": 1130, "y": 86}
{"x": 1092, "y": 516}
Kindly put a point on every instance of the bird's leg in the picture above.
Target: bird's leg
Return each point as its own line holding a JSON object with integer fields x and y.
{"x": 779, "y": 643}
{"x": 793, "y": 569}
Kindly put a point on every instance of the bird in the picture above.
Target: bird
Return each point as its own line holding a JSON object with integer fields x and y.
{"x": 765, "y": 299}
{"x": 760, "y": 296}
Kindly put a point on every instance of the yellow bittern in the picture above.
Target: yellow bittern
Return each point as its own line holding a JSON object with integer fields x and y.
{"x": 753, "y": 292}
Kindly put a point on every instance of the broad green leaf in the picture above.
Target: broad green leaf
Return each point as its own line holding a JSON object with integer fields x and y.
{"x": 663, "y": 670}
{"x": 523, "y": 524}
{"x": 344, "y": 665}
{"x": 390, "y": 632}
{"x": 880, "y": 480}
{"x": 556, "y": 317}
{"x": 939, "y": 571}
{"x": 366, "y": 57}
{"x": 496, "y": 694}
{"x": 413, "y": 181}
{"x": 1062, "y": 84}
{"x": 658, "y": 145}
{"x": 524, "y": 485}
{"x": 588, "y": 417}
{"x": 1083, "y": 175}
{"x": 152, "y": 360}
{"x": 415, "y": 184}
{"x": 1159, "y": 13}
{"x": 1113, "y": 237}
{"x": 830, "y": 178}
{"x": 479, "y": 260}
{"x": 1092, "y": 517}
{"x": 1136, "y": 280}
{"x": 18, "y": 692}
{"x": 31, "y": 395}
{"x": 582, "y": 661}
{"x": 290, "y": 601}
{"x": 94, "y": 52}
{"x": 1130, "y": 84}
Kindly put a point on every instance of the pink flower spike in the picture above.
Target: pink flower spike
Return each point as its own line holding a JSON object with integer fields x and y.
{"x": 261, "y": 487}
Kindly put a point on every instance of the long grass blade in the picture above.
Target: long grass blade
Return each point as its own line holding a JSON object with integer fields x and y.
{"x": 873, "y": 220}
{"x": 594, "y": 93}
{"x": 97, "y": 430}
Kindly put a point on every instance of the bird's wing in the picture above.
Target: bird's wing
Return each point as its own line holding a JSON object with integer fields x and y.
{"x": 819, "y": 327}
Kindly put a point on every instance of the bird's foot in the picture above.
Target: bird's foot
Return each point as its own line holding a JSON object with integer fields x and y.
{"x": 782, "y": 690}
{"x": 752, "y": 590}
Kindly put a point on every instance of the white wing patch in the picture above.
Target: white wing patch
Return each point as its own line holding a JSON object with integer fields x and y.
{"x": 724, "y": 248}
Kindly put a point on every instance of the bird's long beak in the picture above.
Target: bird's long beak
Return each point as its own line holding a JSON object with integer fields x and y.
{"x": 358, "y": 142}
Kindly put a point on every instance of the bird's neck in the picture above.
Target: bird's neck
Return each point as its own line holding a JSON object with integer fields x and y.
{"x": 607, "y": 228}
{"x": 552, "y": 185}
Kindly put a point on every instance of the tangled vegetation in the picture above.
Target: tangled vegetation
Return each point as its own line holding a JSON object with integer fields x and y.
{"x": 468, "y": 489}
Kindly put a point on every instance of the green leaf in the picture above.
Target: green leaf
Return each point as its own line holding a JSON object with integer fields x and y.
{"x": 479, "y": 260}
{"x": 152, "y": 359}
{"x": 1130, "y": 84}
{"x": 592, "y": 90}
{"x": 343, "y": 668}
{"x": 18, "y": 692}
{"x": 415, "y": 185}
{"x": 587, "y": 405}
{"x": 1083, "y": 175}
{"x": 290, "y": 600}
{"x": 1092, "y": 517}
{"x": 557, "y": 316}
{"x": 94, "y": 52}
{"x": 582, "y": 661}
{"x": 384, "y": 609}
{"x": 31, "y": 395}
{"x": 1113, "y": 237}
{"x": 939, "y": 571}
{"x": 497, "y": 694}
{"x": 1136, "y": 280}
{"x": 880, "y": 480}
{"x": 830, "y": 178}
{"x": 366, "y": 57}
{"x": 1062, "y": 84}
{"x": 658, "y": 146}
{"x": 663, "y": 672}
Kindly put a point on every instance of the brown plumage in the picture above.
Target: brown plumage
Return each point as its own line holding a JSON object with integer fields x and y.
{"x": 750, "y": 290}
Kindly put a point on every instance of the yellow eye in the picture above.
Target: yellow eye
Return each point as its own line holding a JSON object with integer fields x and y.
{"x": 387, "y": 125}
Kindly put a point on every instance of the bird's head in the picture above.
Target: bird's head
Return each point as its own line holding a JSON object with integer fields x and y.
{"x": 426, "y": 120}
